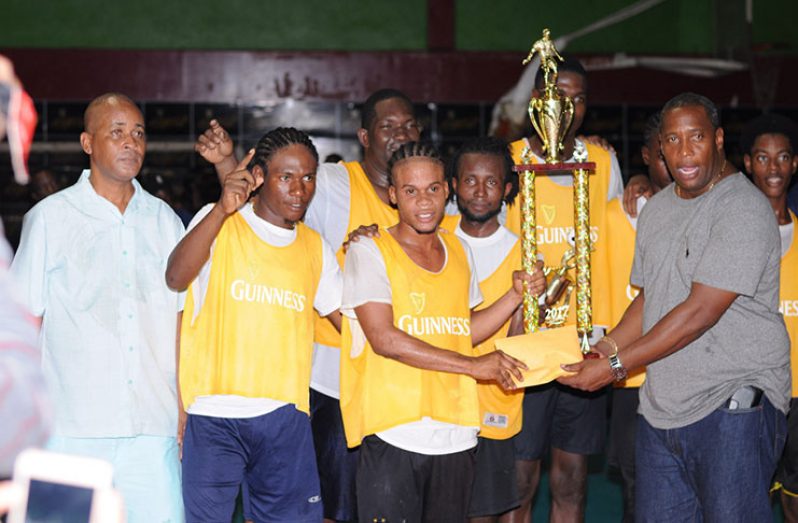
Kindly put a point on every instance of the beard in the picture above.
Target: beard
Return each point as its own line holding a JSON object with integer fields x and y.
{"x": 477, "y": 218}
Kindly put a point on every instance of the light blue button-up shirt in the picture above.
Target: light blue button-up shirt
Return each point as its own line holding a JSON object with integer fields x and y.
{"x": 96, "y": 277}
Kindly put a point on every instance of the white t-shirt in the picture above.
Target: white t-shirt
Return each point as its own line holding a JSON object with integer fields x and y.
{"x": 326, "y": 301}
{"x": 366, "y": 280}
{"x": 328, "y": 214}
{"x": 489, "y": 252}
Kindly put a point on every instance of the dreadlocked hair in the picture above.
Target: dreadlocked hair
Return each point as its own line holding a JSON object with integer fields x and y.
{"x": 275, "y": 140}
{"x": 413, "y": 150}
{"x": 490, "y": 146}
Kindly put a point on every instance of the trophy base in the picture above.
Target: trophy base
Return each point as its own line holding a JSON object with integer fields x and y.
{"x": 560, "y": 167}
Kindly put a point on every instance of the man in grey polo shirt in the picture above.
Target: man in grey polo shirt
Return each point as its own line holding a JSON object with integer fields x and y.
{"x": 706, "y": 323}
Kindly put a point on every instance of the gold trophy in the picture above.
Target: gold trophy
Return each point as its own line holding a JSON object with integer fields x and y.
{"x": 551, "y": 117}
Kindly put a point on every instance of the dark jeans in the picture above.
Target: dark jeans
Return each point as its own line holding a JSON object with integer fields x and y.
{"x": 716, "y": 469}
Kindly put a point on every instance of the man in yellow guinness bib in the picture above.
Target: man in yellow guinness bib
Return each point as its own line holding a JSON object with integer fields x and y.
{"x": 570, "y": 423}
{"x": 482, "y": 180}
{"x": 770, "y": 159}
{"x": 408, "y": 389}
{"x": 348, "y": 195}
{"x": 254, "y": 274}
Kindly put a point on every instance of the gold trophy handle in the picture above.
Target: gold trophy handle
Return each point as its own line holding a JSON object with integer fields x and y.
{"x": 535, "y": 108}
{"x": 567, "y": 118}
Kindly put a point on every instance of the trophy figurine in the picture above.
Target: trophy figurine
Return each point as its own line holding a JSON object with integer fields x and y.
{"x": 551, "y": 117}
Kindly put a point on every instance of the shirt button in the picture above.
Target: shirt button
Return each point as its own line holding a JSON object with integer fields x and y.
{"x": 130, "y": 382}
{"x": 130, "y": 349}
{"x": 124, "y": 253}
{"x": 130, "y": 316}
{"x": 127, "y": 285}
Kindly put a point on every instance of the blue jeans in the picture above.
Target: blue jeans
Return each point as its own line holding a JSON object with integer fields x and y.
{"x": 716, "y": 469}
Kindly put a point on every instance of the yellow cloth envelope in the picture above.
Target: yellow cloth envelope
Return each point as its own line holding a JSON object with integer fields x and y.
{"x": 543, "y": 352}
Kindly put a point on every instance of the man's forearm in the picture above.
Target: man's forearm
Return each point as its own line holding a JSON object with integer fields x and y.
{"x": 630, "y": 328}
{"x": 193, "y": 251}
{"x": 684, "y": 324}
{"x": 485, "y": 322}
{"x": 225, "y": 167}
{"x": 390, "y": 342}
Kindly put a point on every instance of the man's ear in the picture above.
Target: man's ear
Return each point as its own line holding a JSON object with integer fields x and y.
{"x": 747, "y": 163}
{"x": 719, "y": 139}
{"x": 363, "y": 137}
{"x": 259, "y": 175}
{"x": 646, "y": 154}
{"x": 392, "y": 194}
{"x": 85, "y": 142}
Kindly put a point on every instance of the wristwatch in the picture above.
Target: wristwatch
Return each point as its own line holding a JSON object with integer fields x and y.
{"x": 617, "y": 368}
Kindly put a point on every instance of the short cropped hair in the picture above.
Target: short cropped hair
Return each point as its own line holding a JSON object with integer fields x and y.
{"x": 693, "y": 100}
{"x": 368, "y": 113}
{"x": 102, "y": 100}
{"x": 651, "y": 127}
{"x": 768, "y": 124}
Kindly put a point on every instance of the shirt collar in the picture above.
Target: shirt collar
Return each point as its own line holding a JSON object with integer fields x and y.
{"x": 93, "y": 201}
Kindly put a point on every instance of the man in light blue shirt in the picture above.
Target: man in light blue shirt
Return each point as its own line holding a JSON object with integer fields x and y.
{"x": 91, "y": 263}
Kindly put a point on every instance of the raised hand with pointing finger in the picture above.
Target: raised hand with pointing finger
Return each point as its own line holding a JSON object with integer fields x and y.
{"x": 238, "y": 185}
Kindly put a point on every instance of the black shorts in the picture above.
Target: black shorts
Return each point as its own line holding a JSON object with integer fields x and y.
{"x": 564, "y": 418}
{"x": 787, "y": 473}
{"x": 337, "y": 464}
{"x": 495, "y": 489}
{"x": 397, "y": 485}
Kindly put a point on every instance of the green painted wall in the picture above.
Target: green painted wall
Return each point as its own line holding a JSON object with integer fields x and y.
{"x": 215, "y": 24}
{"x": 675, "y": 26}
{"x": 774, "y": 23}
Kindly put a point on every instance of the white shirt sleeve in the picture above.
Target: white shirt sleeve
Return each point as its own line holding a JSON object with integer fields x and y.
{"x": 615, "y": 189}
{"x": 30, "y": 264}
{"x": 474, "y": 294}
{"x": 365, "y": 277}
{"x": 331, "y": 283}
{"x": 328, "y": 213}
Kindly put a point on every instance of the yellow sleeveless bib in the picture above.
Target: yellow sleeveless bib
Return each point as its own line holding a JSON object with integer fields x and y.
{"x": 365, "y": 208}
{"x": 621, "y": 250}
{"x": 500, "y": 412}
{"x": 253, "y": 336}
{"x": 788, "y": 298}
{"x": 379, "y": 393}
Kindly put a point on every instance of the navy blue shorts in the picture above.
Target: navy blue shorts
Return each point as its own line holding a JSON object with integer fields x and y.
{"x": 269, "y": 457}
{"x": 337, "y": 464}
